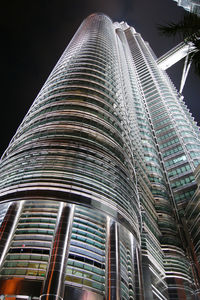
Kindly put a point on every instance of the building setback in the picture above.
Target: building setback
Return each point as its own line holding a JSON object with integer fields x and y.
{"x": 99, "y": 185}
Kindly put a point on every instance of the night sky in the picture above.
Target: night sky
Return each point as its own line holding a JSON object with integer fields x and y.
{"x": 35, "y": 33}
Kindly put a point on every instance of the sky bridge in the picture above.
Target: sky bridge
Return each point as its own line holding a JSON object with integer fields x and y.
{"x": 174, "y": 55}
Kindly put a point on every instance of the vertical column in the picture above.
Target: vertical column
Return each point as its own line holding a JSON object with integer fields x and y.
{"x": 137, "y": 272}
{"x": 147, "y": 278}
{"x": 54, "y": 284}
{"x": 8, "y": 227}
{"x": 113, "y": 261}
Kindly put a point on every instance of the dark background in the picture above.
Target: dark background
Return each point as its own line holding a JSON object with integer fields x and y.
{"x": 35, "y": 33}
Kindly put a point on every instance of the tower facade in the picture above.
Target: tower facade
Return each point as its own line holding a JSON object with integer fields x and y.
{"x": 190, "y": 5}
{"x": 98, "y": 181}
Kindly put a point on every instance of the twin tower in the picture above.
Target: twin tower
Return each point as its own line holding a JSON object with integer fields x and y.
{"x": 99, "y": 185}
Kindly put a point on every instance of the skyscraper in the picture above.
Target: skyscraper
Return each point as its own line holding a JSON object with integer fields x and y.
{"x": 190, "y": 5}
{"x": 99, "y": 185}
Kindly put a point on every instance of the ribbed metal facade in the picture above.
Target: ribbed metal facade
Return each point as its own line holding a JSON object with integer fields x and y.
{"x": 97, "y": 183}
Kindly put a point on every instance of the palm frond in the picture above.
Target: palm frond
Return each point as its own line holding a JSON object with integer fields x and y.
{"x": 188, "y": 26}
{"x": 187, "y": 29}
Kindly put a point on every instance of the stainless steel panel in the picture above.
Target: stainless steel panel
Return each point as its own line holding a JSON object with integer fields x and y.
{"x": 54, "y": 283}
{"x": 75, "y": 293}
{"x": 113, "y": 261}
{"x": 20, "y": 286}
{"x": 148, "y": 294}
{"x": 8, "y": 227}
